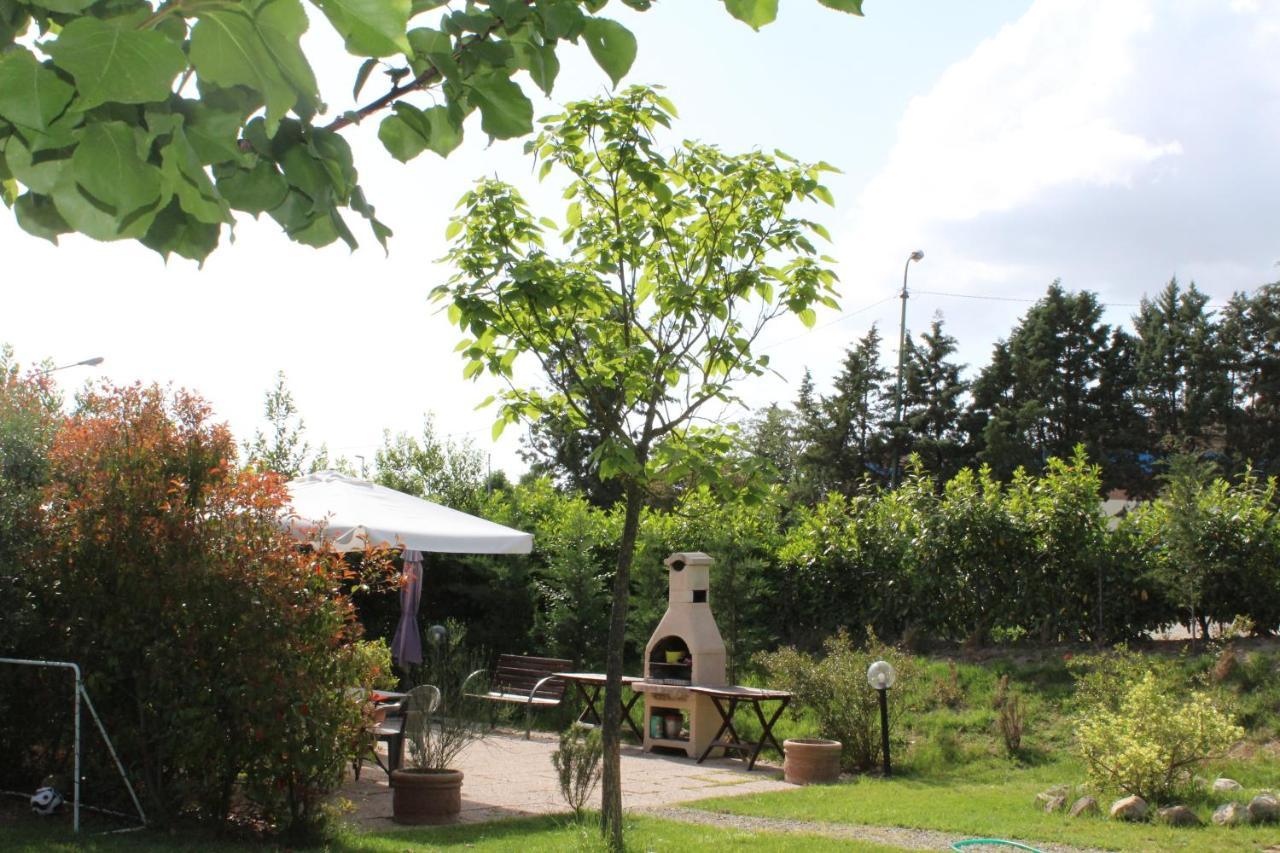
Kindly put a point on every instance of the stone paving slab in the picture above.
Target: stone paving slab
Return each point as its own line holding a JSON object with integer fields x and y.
{"x": 506, "y": 776}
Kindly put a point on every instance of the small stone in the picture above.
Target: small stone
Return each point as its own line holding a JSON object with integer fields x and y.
{"x": 1231, "y": 814}
{"x": 1132, "y": 808}
{"x": 1044, "y": 797}
{"x": 1055, "y": 804}
{"x": 1223, "y": 785}
{"x": 1084, "y": 806}
{"x": 1178, "y": 816}
{"x": 1264, "y": 808}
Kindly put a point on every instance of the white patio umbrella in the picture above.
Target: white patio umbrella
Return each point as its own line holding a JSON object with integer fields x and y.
{"x": 351, "y": 514}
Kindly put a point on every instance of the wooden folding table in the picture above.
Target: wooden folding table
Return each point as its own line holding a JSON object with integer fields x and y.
{"x": 589, "y": 685}
{"x": 726, "y": 701}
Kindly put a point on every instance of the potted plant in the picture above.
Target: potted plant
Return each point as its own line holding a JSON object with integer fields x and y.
{"x": 439, "y": 722}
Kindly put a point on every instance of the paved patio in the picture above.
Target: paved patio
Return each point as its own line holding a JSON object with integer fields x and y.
{"x": 507, "y": 776}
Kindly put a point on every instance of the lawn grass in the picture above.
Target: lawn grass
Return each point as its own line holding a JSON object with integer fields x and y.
{"x": 953, "y": 774}
{"x": 531, "y": 835}
{"x": 993, "y": 799}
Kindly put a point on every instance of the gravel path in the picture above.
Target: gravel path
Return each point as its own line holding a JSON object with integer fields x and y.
{"x": 907, "y": 839}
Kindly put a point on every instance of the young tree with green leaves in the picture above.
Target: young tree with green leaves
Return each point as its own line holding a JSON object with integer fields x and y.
{"x": 158, "y": 120}
{"x": 676, "y": 261}
{"x": 285, "y": 449}
{"x": 435, "y": 468}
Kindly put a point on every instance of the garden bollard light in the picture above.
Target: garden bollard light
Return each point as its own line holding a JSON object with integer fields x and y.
{"x": 881, "y": 675}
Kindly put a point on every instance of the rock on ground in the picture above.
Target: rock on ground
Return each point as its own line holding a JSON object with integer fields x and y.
{"x": 1223, "y": 785}
{"x": 1264, "y": 808}
{"x": 1231, "y": 814}
{"x": 1085, "y": 806}
{"x": 1178, "y": 816}
{"x": 1132, "y": 808}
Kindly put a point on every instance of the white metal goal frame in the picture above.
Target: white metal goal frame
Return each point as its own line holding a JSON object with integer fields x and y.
{"x": 80, "y": 693}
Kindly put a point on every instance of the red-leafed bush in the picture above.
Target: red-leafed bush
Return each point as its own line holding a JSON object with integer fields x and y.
{"x": 217, "y": 652}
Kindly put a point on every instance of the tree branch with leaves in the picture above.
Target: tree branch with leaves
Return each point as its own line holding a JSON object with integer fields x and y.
{"x": 102, "y": 133}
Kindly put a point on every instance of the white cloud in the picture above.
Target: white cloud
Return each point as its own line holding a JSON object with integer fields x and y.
{"x": 1112, "y": 144}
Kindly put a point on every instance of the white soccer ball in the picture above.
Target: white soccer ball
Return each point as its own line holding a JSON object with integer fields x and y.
{"x": 46, "y": 801}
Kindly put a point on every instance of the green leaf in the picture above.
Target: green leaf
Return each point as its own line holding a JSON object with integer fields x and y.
{"x": 30, "y": 94}
{"x": 824, "y": 194}
{"x": 362, "y": 76}
{"x": 454, "y": 229}
{"x": 498, "y": 427}
{"x": 90, "y": 217}
{"x": 436, "y": 48}
{"x": 400, "y": 136}
{"x": 174, "y": 232}
{"x": 411, "y": 131}
{"x": 505, "y": 112}
{"x": 370, "y": 27}
{"x": 853, "y": 7}
{"x": 255, "y": 190}
{"x": 214, "y": 133}
{"x": 37, "y": 216}
{"x": 197, "y": 195}
{"x": 281, "y": 24}
{"x": 361, "y": 206}
{"x": 36, "y": 171}
{"x": 541, "y": 63}
{"x": 64, "y": 7}
{"x": 563, "y": 20}
{"x": 753, "y": 13}
{"x": 612, "y": 45}
{"x": 227, "y": 48}
{"x": 113, "y": 63}
{"x": 106, "y": 164}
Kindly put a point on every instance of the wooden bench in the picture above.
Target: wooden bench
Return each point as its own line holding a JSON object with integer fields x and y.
{"x": 523, "y": 680}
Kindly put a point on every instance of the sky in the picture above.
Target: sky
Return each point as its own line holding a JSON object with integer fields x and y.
{"x": 1110, "y": 143}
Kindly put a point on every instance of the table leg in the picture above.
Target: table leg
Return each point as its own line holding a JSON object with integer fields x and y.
{"x": 626, "y": 715}
{"x": 726, "y": 726}
{"x": 766, "y": 734}
{"x": 590, "y": 713}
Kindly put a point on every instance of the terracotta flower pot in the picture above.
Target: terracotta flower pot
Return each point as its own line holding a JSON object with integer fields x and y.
{"x": 811, "y": 761}
{"x": 425, "y": 796}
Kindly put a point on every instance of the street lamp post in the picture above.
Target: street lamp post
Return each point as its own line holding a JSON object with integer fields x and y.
{"x": 88, "y": 362}
{"x": 902, "y": 352}
{"x": 881, "y": 675}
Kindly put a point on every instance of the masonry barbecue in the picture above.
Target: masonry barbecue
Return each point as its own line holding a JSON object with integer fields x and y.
{"x": 685, "y": 651}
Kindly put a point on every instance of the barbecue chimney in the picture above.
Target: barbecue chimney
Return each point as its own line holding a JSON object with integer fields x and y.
{"x": 685, "y": 650}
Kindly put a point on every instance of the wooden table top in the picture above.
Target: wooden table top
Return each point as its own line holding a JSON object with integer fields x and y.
{"x": 595, "y": 677}
{"x": 733, "y": 691}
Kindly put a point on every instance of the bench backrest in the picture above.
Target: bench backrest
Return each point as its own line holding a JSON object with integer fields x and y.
{"x": 520, "y": 673}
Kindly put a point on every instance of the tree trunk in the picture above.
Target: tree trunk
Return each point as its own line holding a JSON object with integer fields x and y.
{"x": 611, "y": 779}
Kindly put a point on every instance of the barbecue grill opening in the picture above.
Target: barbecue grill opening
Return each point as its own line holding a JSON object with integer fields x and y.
{"x": 699, "y": 596}
{"x": 675, "y": 645}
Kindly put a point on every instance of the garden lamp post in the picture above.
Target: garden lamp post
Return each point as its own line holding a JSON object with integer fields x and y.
{"x": 881, "y": 675}
{"x": 88, "y": 362}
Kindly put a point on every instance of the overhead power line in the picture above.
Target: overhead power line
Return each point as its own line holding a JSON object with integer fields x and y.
{"x": 807, "y": 332}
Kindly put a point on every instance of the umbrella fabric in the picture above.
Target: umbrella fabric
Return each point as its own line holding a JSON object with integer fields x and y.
{"x": 352, "y": 513}
{"x": 406, "y": 646}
